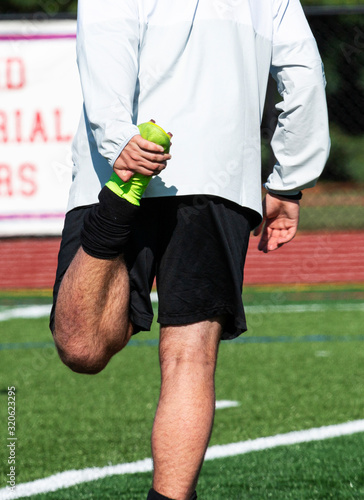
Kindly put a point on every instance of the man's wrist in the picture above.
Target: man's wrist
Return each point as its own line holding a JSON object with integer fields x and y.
{"x": 294, "y": 197}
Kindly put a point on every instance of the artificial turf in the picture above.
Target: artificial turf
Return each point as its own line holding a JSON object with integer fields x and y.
{"x": 330, "y": 469}
{"x": 70, "y": 421}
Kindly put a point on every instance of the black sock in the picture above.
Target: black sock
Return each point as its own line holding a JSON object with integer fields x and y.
{"x": 153, "y": 495}
{"x": 107, "y": 226}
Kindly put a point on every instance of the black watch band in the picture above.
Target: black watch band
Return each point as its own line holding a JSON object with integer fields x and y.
{"x": 297, "y": 196}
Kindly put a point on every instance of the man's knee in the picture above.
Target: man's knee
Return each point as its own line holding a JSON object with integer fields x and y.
{"x": 87, "y": 351}
{"x": 195, "y": 345}
{"x": 184, "y": 354}
{"x": 82, "y": 359}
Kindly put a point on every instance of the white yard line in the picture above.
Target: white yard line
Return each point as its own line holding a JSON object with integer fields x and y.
{"x": 224, "y": 403}
{"x": 295, "y": 437}
{"x": 43, "y": 311}
{"x": 73, "y": 477}
{"x": 25, "y": 312}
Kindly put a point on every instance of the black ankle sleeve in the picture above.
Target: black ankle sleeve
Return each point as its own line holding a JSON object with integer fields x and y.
{"x": 107, "y": 226}
{"x": 154, "y": 495}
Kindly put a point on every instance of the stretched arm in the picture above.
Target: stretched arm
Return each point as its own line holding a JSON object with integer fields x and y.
{"x": 108, "y": 40}
{"x": 107, "y": 56}
{"x": 280, "y": 222}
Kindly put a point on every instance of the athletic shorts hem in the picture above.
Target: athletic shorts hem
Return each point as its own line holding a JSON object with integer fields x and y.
{"x": 225, "y": 308}
{"x": 233, "y": 327}
{"x": 140, "y": 324}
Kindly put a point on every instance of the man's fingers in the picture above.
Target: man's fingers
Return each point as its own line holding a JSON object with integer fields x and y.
{"x": 273, "y": 238}
{"x": 125, "y": 174}
{"x": 262, "y": 245}
{"x": 258, "y": 229}
{"x": 288, "y": 235}
{"x": 140, "y": 156}
{"x": 149, "y": 157}
{"x": 146, "y": 145}
{"x": 146, "y": 153}
{"x": 145, "y": 163}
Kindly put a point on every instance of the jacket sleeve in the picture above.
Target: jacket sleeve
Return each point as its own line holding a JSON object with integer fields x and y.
{"x": 301, "y": 142}
{"x": 107, "y": 56}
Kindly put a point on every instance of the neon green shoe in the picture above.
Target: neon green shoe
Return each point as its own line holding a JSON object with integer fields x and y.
{"x": 133, "y": 189}
{"x": 154, "y": 133}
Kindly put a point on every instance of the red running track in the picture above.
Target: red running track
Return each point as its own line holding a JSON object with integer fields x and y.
{"x": 309, "y": 258}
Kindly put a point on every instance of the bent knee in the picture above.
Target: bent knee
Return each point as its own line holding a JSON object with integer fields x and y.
{"x": 85, "y": 352}
{"x": 88, "y": 363}
{"x": 83, "y": 359}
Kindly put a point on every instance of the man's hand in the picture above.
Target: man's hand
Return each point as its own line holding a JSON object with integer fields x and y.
{"x": 141, "y": 156}
{"x": 280, "y": 222}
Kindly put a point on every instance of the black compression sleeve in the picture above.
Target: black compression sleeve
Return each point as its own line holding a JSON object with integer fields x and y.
{"x": 107, "y": 226}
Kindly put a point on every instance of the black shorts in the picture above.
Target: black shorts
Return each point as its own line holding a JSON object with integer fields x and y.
{"x": 195, "y": 247}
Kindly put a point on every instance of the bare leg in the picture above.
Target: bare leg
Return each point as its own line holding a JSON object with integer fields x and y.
{"x": 185, "y": 412}
{"x": 91, "y": 320}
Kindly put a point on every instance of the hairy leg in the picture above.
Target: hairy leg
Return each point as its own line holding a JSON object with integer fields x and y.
{"x": 184, "y": 417}
{"x": 91, "y": 319}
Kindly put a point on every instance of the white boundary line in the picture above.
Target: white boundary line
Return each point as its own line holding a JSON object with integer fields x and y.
{"x": 225, "y": 403}
{"x": 42, "y": 311}
{"x": 295, "y": 437}
{"x": 73, "y": 477}
{"x": 25, "y": 312}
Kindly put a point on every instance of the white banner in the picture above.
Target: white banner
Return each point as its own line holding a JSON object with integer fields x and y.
{"x": 40, "y": 105}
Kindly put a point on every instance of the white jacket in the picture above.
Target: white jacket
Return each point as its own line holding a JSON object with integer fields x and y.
{"x": 200, "y": 69}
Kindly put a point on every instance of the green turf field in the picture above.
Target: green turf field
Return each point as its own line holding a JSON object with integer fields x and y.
{"x": 301, "y": 365}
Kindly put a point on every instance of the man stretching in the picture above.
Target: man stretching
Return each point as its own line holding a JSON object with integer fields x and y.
{"x": 200, "y": 69}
